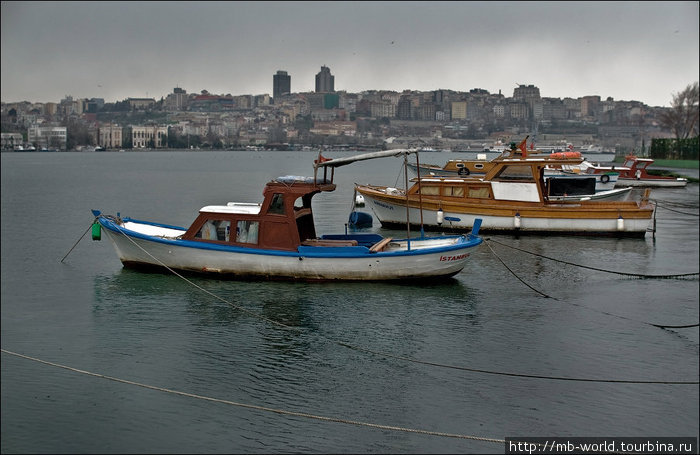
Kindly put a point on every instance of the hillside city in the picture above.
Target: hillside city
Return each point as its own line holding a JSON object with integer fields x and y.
{"x": 325, "y": 118}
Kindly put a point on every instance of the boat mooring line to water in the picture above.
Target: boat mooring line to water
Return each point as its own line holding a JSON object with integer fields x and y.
{"x": 637, "y": 275}
{"x": 661, "y": 326}
{"x": 396, "y": 357}
{"x": 666, "y": 205}
{"x": 676, "y": 211}
{"x": 261, "y": 408}
{"x": 515, "y": 275}
{"x": 76, "y": 243}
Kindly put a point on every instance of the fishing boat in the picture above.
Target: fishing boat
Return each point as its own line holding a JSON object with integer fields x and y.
{"x": 276, "y": 240}
{"x": 513, "y": 196}
{"x": 633, "y": 172}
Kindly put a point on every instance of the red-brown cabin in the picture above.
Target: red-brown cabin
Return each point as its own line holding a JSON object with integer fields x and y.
{"x": 282, "y": 222}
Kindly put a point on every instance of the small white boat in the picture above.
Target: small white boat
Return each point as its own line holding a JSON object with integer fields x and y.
{"x": 633, "y": 172}
{"x": 276, "y": 240}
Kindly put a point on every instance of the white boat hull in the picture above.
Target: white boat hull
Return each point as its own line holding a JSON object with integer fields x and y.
{"x": 656, "y": 183}
{"x": 394, "y": 214}
{"x": 427, "y": 258}
{"x": 615, "y": 194}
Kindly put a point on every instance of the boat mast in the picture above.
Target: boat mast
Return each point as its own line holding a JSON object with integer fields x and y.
{"x": 408, "y": 219}
{"x": 420, "y": 197}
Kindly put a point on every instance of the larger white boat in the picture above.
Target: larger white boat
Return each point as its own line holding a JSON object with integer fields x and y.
{"x": 513, "y": 196}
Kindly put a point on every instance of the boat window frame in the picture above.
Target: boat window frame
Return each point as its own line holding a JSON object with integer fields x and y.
{"x": 216, "y": 223}
{"x": 502, "y": 174}
{"x": 449, "y": 190}
{"x": 277, "y": 206}
{"x": 250, "y": 222}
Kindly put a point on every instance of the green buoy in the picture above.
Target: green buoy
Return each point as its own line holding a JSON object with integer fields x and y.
{"x": 96, "y": 231}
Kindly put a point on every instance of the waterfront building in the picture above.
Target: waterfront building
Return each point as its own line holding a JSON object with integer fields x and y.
{"x": 325, "y": 82}
{"x": 49, "y": 137}
{"x": 281, "y": 85}
{"x": 149, "y": 136}
{"x": 109, "y": 136}
{"x": 11, "y": 141}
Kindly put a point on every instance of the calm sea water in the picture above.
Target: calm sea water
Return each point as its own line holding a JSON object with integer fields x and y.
{"x": 372, "y": 358}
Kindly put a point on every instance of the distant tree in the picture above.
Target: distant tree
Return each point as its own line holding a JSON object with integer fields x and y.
{"x": 682, "y": 117}
{"x": 77, "y": 133}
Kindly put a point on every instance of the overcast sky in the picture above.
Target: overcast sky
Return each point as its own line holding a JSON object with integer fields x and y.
{"x": 644, "y": 51}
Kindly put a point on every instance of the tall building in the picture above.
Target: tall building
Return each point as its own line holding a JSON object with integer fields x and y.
{"x": 324, "y": 81}
{"x": 281, "y": 84}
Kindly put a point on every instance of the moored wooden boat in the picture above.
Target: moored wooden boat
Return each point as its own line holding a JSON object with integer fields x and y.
{"x": 277, "y": 240}
{"x": 572, "y": 169}
{"x": 633, "y": 172}
{"x": 513, "y": 196}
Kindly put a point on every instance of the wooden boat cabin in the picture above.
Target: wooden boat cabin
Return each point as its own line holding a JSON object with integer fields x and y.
{"x": 508, "y": 179}
{"x": 283, "y": 221}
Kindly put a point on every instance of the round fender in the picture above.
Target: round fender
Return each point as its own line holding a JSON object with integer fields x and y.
{"x": 605, "y": 178}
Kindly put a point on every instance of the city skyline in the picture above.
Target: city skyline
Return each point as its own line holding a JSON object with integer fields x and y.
{"x": 643, "y": 51}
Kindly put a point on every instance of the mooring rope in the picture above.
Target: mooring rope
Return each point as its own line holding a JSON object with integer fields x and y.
{"x": 676, "y": 211}
{"x": 516, "y": 275}
{"x": 262, "y": 408}
{"x": 661, "y": 326}
{"x": 638, "y": 275}
{"x": 81, "y": 238}
{"x": 389, "y": 355}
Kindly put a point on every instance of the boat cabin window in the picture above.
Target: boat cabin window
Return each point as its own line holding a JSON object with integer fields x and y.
{"x": 430, "y": 190}
{"x": 277, "y": 204}
{"x": 247, "y": 231}
{"x": 482, "y": 193}
{"x": 215, "y": 230}
{"x": 515, "y": 172}
{"x": 455, "y": 191}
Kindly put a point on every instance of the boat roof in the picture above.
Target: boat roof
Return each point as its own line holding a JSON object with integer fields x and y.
{"x": 234, "y": 208}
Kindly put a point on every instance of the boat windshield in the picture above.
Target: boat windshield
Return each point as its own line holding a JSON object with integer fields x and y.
{"x": 515, "y": 172}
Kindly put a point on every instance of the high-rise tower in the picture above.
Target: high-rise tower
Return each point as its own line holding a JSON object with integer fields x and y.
{"x": 281, "y": 84}
{"x": 324, "y": 81}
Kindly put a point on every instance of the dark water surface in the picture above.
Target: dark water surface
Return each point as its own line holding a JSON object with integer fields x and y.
{"x": 276, "y": 358}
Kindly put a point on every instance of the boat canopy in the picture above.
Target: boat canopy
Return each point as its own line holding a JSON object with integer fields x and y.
{"x": 337, "y": 162}
{"x": 333, "y": 163}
